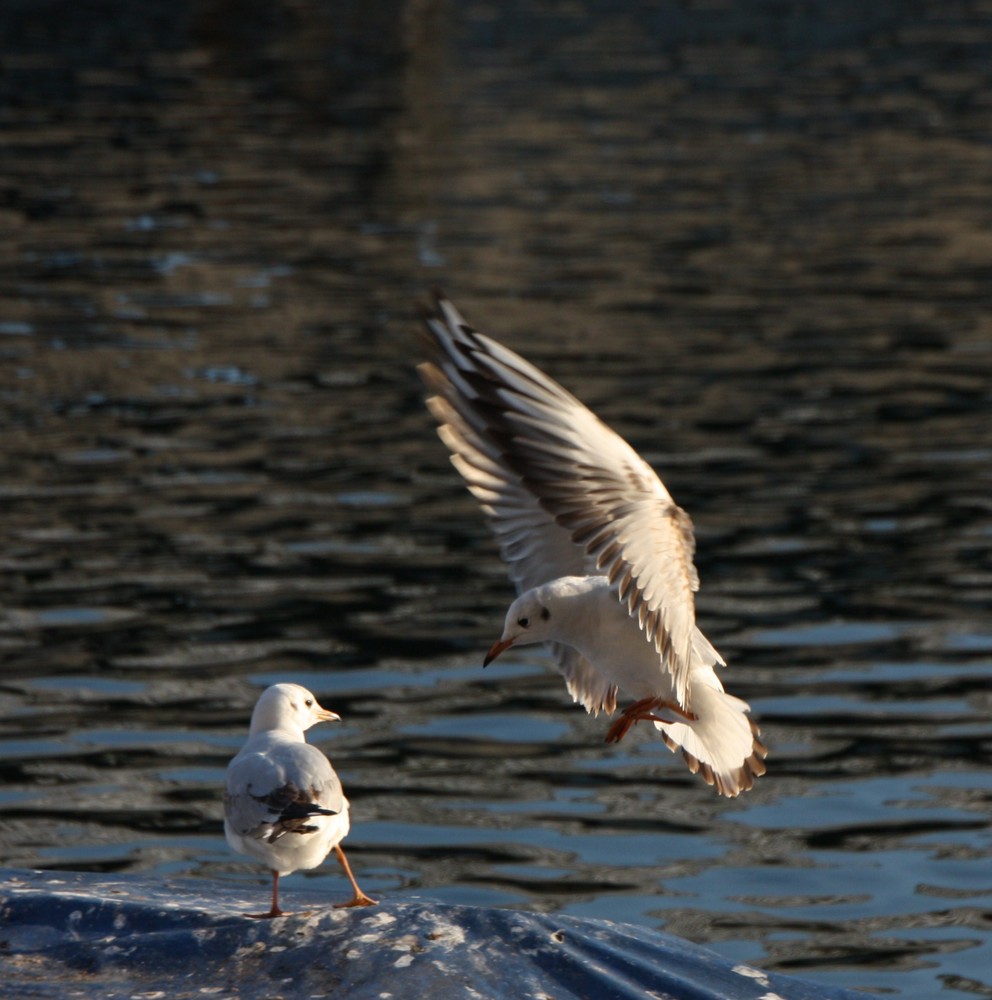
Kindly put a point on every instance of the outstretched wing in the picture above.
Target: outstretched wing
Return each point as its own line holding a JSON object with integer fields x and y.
{"x": 564, "y": 494}
{"x": 534, "y": 548}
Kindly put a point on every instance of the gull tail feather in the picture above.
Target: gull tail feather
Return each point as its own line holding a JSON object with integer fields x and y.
{"x": 721, "y": 744}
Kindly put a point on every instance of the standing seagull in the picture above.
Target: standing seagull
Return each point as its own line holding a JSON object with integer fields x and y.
{"x": 600, "y": 554}
{"x": 283, "y": 803}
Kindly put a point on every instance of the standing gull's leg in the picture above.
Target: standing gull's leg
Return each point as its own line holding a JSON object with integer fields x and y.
{"x": 275, "y": 911}
{"x": 359, "y": 899}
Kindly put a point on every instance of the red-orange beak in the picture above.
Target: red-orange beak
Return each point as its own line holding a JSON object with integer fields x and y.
{"x": 496, "y": 649}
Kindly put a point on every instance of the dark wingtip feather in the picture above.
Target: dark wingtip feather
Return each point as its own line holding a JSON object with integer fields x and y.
{"x": 429, "y": 311}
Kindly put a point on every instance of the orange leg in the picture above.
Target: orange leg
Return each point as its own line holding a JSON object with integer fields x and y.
{"x": 359, "y": 899}
{"x": 642, "y": 711}
{"x": 275, "y": 911}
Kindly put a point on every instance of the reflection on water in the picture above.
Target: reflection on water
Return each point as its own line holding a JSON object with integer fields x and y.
{"x": 755, "y": 241}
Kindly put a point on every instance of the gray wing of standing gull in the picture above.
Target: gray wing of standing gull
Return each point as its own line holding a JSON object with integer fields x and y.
{"x": 268, "y": 794}
{"x": 564, "y": 494}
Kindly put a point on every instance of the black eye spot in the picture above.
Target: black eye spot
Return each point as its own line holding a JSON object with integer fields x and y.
{"x": 309, "y": 703}
{"x": 545, "y": 614}
{"x": 523, "y": 622}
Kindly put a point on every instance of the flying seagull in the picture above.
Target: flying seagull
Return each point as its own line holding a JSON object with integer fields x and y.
{"x": 600, "y": 553}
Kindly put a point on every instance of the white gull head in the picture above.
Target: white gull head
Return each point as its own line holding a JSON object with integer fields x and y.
{"x": 289, "y": 708}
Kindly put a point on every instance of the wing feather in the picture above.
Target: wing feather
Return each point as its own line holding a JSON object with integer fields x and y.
{"x": 271, "y": 789}
{"x": 543, "y": 465}
{"x": 534, "y": 548}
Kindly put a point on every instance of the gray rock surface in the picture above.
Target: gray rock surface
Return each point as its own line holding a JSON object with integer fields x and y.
{"x": 87, "y": 936}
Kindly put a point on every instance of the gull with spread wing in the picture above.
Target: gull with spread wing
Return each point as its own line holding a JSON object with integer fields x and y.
{"x": 601, "y": 555}
{"x": 283, "y": 802}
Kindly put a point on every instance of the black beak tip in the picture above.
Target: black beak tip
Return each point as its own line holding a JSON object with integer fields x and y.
{"x": 495, "y": 650}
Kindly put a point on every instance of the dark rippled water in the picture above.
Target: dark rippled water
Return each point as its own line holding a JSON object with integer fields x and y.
{"x": 756, "y": 238}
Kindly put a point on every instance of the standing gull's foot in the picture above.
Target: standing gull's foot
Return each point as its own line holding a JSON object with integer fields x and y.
{"x": 359, "y": 899}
